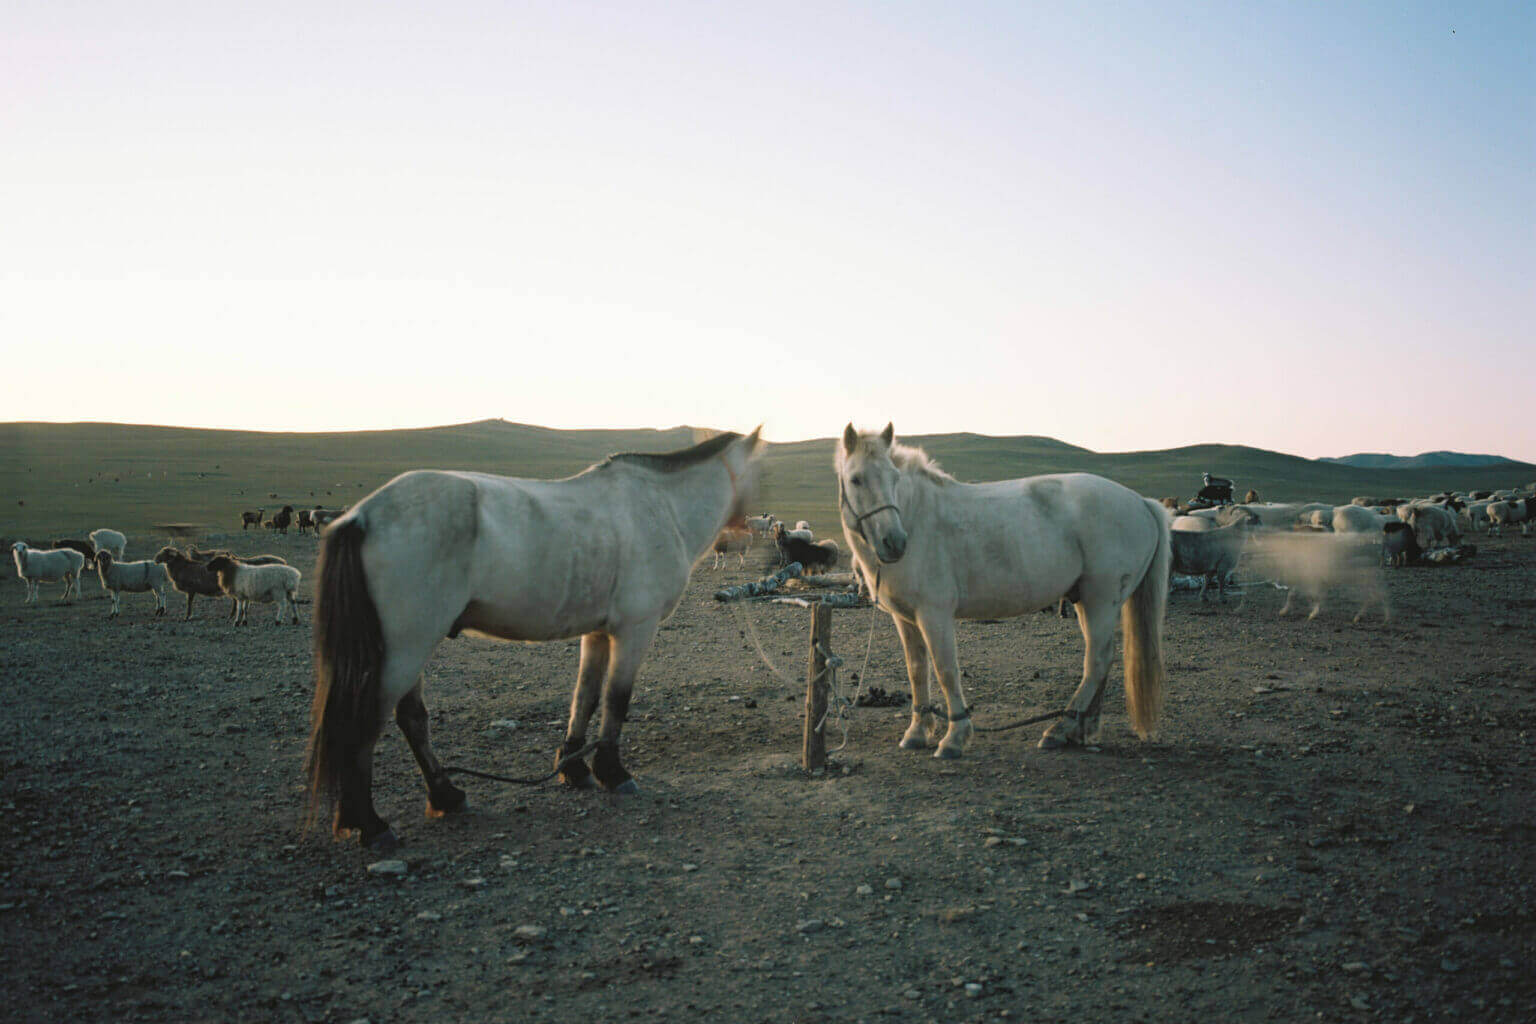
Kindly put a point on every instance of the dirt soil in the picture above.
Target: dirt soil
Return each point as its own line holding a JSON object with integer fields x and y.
{"x": 1335, "y": 822}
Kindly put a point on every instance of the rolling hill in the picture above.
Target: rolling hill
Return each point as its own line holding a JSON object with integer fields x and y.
{"x": 73, "y": 477}
{"x": 1426, "y": 460}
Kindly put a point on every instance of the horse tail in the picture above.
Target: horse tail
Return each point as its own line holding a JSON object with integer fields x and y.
{"x": 349, "y": 656}
{"x": 1141, "y": 620}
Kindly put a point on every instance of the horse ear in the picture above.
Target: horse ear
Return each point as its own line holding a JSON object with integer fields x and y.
{"x": 850, "y": 439}
{"x": 888, "y": 434}
{"x": 754, "y": 439}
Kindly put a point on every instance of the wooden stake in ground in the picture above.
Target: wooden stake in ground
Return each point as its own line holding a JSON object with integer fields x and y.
{"x": 813, "y": 753}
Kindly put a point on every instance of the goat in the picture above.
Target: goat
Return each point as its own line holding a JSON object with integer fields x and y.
{"x": 1434, "y": 526}
{"x": 133, "y": 577}
{"x": 282, "y": 519}
{"x": 265, "y": 583}
{"x": 1399, "y": 546}
{"x": 732, "y": 540}
{"x": 191, "y": 577}
{"x": 1210, "y": 554}
{"x": 810, "y": 554}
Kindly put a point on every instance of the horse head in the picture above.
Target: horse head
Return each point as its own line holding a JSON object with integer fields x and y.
{"x": 867, "y": 479}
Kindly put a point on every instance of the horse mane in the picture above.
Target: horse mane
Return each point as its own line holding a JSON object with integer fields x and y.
{"x": 911, "y": 459}
{"x": 671, "y": 462}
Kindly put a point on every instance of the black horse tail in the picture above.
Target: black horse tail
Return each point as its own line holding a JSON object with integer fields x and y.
{"x": 349, "y": 657}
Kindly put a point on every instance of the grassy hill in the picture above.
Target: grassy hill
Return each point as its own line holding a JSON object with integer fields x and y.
{"x": 70, "y": 478}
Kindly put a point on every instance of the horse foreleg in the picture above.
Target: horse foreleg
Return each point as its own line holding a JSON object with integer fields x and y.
{"x": 190, "y": 596}
{"x": 920, "y": 734}
{"x": 1080, "y": 722}
{"x": 589, "y": 686}
{"x": 626, "y": 650}
{"x": 443, "y": 797}
{"x": 939, "y": 635}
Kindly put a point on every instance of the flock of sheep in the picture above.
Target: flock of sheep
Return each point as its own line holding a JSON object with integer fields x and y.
{"x": 268, "y": 579}
{"x": 1313, "y": 547}
{"x": 797, "y": 544}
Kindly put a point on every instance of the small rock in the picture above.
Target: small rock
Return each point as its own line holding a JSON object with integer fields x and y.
{"x": 1449, "y": 966}
{"x": 690, "y": 867}
{"x": 1359, "y": 1003}
{"x": 472, "y": 883}
{"x": 387, "y": 868}
{"x": 864, "y": 890}
{"x": 502, "y": 725}
{"x": 1076, "y": 886}
{"x": 893, "y": 884}
{"x": 973, "y": 990}
{"x": 810, "y": 926}
{"x": 1354, "y": 967}
{"x": 529, "y": 932}
{"x": 912, "y": 993}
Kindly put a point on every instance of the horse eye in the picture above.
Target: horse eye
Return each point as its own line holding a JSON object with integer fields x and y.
{"x": 856, "y": 480}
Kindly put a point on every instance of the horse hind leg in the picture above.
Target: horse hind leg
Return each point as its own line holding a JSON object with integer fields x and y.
{"x": 1080, "y": 724}
{"x": 573, "y": 771}
{"x": 627, "y": 650}
{"x": 443, "y": 797}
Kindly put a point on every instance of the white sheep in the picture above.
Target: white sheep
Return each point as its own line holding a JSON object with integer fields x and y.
{"x": 265, "y": 583}
{"x": 110, "y": 540}
{"x": 133, "y": 577}
{"x": 48, "y": 566}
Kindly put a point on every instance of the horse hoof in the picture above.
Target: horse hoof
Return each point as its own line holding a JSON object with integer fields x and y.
{"x": 449, "y": 804}
{"x": 629, "y": 787}
{"x": 913, "y": 743}
{"x": 1051, "y": 741}
{"x": 948, "y": 754}
{"x": 577, "y": 781}
{"x": 384, "y": 842}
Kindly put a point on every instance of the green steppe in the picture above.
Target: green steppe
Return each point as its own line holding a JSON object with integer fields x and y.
{"x": 67, "y": 479}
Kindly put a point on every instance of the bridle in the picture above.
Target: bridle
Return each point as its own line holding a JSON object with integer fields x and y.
{"x": 858, "y": 520}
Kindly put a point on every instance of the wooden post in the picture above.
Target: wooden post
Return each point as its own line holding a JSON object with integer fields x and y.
{"x": 814, "y": 750}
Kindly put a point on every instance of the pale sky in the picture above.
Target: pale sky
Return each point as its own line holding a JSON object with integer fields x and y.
{"x": 1305, "y": 227}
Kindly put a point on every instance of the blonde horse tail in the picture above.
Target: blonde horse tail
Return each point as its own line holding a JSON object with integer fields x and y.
{"x": 349, "y": 654}
{"x": 1141, "y": 621}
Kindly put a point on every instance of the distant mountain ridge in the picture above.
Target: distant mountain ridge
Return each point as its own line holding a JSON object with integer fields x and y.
{"x": 1427, "y": 460}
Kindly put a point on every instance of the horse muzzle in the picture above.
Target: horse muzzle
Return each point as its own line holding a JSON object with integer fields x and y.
{"x": 891, "y": 547}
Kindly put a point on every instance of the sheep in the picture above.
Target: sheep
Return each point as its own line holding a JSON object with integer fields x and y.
{"x": 732, "y": 540}
{"x": 1508, "y": 513}
{"x": 1251, "y": 497}
{"x": 252, "y": 518}
{"x": 1434, "y": 526}
{"x": 322, "y": 517}
{"x": 191, "y": 577}
{"x": 1171, "y": 504}
{"x": 1399, "y": 546}
{"x": 85, "y": 547}
{"x": 1317, "y": 519}
{"x": 1312, "y": 565}
{"x": 48, "y": 566}
{"x": 282, "y": 519}
{"x": 1477, "y": 515}
{"x": 1210, "y": 554}
{"x": 134, "y": 577}
{"x": 110, "y": 540}
{"x": 265, "y": 583}
{"x": 803, "y": 525}
{"x": 1195, "y": 524}
{"x": 199, "y": 555}
{"x": 1356, "y": 519}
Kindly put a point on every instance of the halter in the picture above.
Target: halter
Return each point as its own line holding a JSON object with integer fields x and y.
{"x": 858, "y": 520}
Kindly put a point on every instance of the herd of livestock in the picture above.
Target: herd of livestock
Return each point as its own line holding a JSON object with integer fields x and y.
{"x": 1207, "y": 546}
{"x": 267, "y": 579}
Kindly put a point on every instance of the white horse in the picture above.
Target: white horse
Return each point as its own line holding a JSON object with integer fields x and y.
{"x": 604, "y": 555}
{"x": 939, "y": 550}
{"x": 36, "y": 567}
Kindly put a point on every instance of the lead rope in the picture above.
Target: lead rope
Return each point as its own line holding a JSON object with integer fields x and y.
{"x": 530, "y": 781}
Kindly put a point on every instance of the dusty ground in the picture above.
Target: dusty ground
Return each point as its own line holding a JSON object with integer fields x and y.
{"x": 1334, "y": 823}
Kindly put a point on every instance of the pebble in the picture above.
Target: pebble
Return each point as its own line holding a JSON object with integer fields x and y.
{"x": 810, "y": 926}
{"x": 894, "y": 884}
{"x": 529, "y": 931}
{"x": 1359, "y": 1003}
{"x": 1354, "y": 967}
{"x": 973, "y": 990}
{"x": 912, "y": 993}
{"x": 388, "y": 868}
{"x": 864, "y": 890}
{"x": 429, "y": 915}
